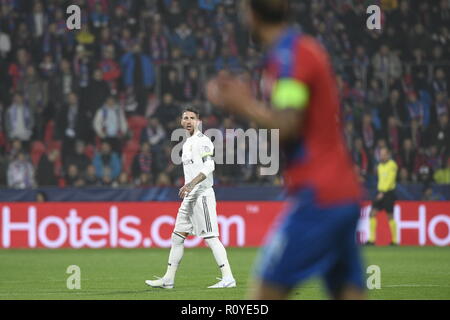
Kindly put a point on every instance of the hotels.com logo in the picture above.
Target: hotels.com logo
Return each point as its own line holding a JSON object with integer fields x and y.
{"x": 127, "y": 231}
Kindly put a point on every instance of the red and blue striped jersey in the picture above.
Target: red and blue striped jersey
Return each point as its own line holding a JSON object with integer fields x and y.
{"x": 317, "y": 157}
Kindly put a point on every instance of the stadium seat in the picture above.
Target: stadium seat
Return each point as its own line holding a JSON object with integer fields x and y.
{"x": 49, "y": 132}
{"x": 37, "y": 150}
{"x": 130, "y": 149}
{"x": 89, "y": 151}
{"x": 136, "y": 124}
{"x": 54, "y": 144}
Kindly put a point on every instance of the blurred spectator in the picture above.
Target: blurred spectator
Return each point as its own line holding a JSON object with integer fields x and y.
{"x": 142, "y": 162}
{"x": 138, "y": 73}
{"x": 18, "y": 67}
{"x": 172, "y": 85}
{"x": 416, "y": 108}
{"x": 430, "y": 195}
{"x": 110, "y": 123}
{"x": 35, "y": 94}
{"x": 394, "y": 134}
{"x": 184, "y": 39}
{"x": 62, "y": 84}
{"x": 153, "y": 133}
{"x": 5, "y": 44}
{"x": 72, "y": 176}
{"x": 208, "y": 5}
{"x": 407, "y": 156}
{"x": 439, "y": 83}
{"x": 38, "y": 20}
{"x": 144, "y": 180}
{"x": 123, "y": 181}
{"x": 227, "y": 61}
{"x": 99, "y": 91}
{"x": 434, "y": 159}
{"x": 21, "y": 173}
{"x": 16, "y": 147}
{"x": 41, "y": 197}
{"x": 375, "y": 95}
{"x": 46, "y": 170}
{"x": 404, "y": 176}
{"x": 442, "y": 105}
{"x": 163, "y": 180}
{"x": 442, "y": 176}
{"x": 110, "y": 70}
{"x": 78, "y": 157}
{"x": 440, "y": 135}
{"x": 70, "y": 125}
{"x": 192, "y": 89}
{"x": 360, "y": 157}
{"x": 168, "y": 113}
{"x": 3, "y": 170}
{"x": 368, "y": 132}
{"x": 158, "y": 44}
{"x": 208, "y": 43}
{"x": 106, "y": 178}
{"x": 90, "y": 178}
{"x": 173, "y": 14}
{"x": 106, "y": 159}
{"x": 47, "y": 68}
{"x": 386, "y": 64}
{"x": 349, "y": 134}
{"x": 19, "y": 120}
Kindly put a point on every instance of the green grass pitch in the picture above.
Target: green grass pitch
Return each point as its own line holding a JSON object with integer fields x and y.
{"x": 406, "y": 273}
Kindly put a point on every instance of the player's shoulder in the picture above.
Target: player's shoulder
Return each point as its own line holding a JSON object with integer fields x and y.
{"x": 393, "y": 164}
{"x": 202, "y": 138}
{"x": 312, "y": 47}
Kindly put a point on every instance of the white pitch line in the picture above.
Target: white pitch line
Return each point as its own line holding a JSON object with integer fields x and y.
{"x": 415, "y": 286}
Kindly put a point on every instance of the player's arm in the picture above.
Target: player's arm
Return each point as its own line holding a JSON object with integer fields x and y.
{"x": 208, "y": 167}
{"x": 289, "y": 100}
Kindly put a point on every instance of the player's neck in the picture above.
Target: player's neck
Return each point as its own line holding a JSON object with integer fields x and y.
{"x": 272, "y": 33}
{"x": 193, "y": 133}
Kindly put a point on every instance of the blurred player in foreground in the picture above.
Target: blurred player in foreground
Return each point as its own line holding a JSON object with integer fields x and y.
{"x": 197, "y": 214}
{"x": 316, "y": 236}
{"x": 385, "y": 200}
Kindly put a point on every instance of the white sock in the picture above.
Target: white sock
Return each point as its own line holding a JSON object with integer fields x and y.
{"x": 220, "y": 254}
{"x": 176, "y": 253}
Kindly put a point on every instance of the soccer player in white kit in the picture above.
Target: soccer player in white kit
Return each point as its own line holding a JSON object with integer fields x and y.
{"x": 197, "y": 214}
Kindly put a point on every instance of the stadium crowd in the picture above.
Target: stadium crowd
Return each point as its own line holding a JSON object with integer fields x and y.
{"x": 97, "y": 106}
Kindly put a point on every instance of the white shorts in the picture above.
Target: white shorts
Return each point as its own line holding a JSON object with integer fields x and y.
{"x": 197, "y": 215}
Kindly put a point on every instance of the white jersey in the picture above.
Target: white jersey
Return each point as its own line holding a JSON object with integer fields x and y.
{"x": 197, "y": 157}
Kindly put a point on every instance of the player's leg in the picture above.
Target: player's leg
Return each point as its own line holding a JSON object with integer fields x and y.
{"x": 175, "y": 255}
{"x": 220, "y": 255}
{"x": 205, "y": 225}
{"x": 344, "y": 280}
{"x": 183, "y": 226}
{"x": 295, "y": 251}
{"x": 266, "y": 291}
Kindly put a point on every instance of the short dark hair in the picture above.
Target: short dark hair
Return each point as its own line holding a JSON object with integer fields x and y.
{"x": 191, "y": 109}
{"x": 271, "y": 11}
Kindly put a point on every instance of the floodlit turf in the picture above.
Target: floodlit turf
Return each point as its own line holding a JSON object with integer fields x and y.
{"x": 406, "y": 273}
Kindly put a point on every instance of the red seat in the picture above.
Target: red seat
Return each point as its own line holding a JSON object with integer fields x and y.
{"x": 136, "y": 124}
{"x": 89, "y": 151}
{"x": 130, "y": 149}
{"x": 37, "y": 150}
{"x": 54, "y": 145}
{"x": 131, "y": 146}
{"x": 49, "y": 132}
